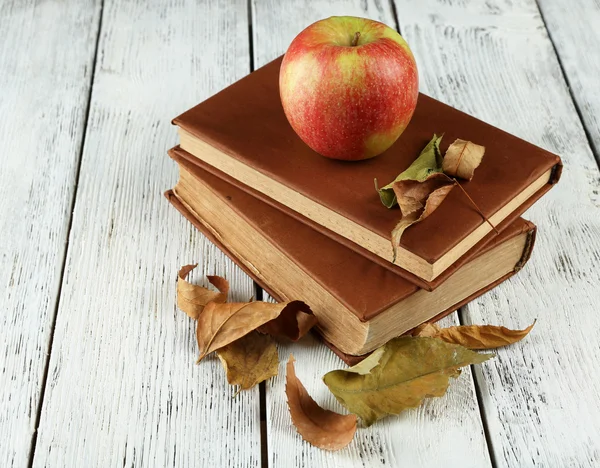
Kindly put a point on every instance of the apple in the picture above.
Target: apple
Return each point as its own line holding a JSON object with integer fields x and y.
{"x": 349, "y": 87}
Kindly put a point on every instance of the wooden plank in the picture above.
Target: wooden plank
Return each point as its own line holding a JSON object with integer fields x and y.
{"x": 122, "y": 387}
{"x": 573, "y": 28}
{"x": 444, "y": 431}
{"x": 44, "y": 90}
{"x": 494, "y": 60}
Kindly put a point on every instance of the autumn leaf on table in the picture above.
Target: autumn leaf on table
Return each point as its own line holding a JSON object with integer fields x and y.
{"x": 320, "y": 427}
{"x": 192, "y": 298}
{"x": 408, "y": 370}
{"x": 249, "y": 360}
{"x": 289, "y": 325}
{"x": 474, "y": 336}
{"x": 429, "y": 162}
{"x": 221, "y": 324}
{"x": 462, "y": 158}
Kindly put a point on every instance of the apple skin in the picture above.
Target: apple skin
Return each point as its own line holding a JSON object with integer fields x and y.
{"x": 346, "y": 101}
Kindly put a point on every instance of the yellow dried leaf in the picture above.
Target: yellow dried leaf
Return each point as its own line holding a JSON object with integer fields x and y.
{"x": 462, "y": 158}
{"x": 192, "y": 298}
{"x": 482, "y": 336}
{"x": 408, "y": 370}
{"x": 249, "y": 360}
{"x": 319, "y": 427}
{"x": 221, "y": 324}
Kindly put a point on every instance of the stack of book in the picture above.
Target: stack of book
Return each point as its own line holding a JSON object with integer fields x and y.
{"x": 311, "y": 228}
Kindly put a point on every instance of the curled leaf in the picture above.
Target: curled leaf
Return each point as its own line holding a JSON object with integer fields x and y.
{"x": 429, "y": 162}
{"x": 417, "y": 201}
{"x": 426, "y": 330}
{"x": 408, "y": 370}
{"x": 290, "y": 326}
{"x": 319, "y": 427}
{"x": 482, "y": 336}
{"x": 221, "y": 324}
{"x": 462, "y": 158}
{"x": 192, "y": 298}
{"x": 249, "y": 360}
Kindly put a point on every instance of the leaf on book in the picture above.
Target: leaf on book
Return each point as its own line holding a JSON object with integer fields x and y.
{"x": 192, "y": 298}
{"x": 249, "y": 360}
{"x": 319, "y": 427}
{"x": 475, "y": 336}
{"x": 408, "y": 370}
{"x": 221, "y": 324}
{"x": 289, "y": 325}
{"x": 429, "y": 162}
{"x": 462, "y": 158}
{"x": 417, "y": 201}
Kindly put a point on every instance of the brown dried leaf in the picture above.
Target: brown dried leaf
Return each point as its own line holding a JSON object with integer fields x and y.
{"x": 290, "y": 326}
{"x": 482, "y": 336}
{"x": 462, "y": 158}
{"x": 221, "y": 324}
{"x": 319, "y": 427}
{"x": 417, "y": 200}
{"x": 249, "y": 360}
{"x": 192, "y": 298}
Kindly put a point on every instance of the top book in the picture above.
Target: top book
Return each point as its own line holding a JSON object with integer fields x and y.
{"x": 243, "y": 133}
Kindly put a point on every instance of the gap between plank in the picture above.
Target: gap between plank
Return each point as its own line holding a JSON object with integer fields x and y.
{"x": 262, "y": 399}
{"x": 588, "y": 136}
{"x": 66, "y": 251}
{"x": 480, "y": 405}
{"x": 258, "y": 293}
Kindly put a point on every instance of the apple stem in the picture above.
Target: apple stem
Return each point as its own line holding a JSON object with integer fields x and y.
{"x": 355, "y": 39}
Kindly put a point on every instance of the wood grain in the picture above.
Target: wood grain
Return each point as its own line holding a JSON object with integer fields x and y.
{"x": 44, "y": 88}
{"x": 122, "y": 386}
{"x": 446, "y": 431}
{"x": 494, "y": 60}
{"x": 573, "y": 28}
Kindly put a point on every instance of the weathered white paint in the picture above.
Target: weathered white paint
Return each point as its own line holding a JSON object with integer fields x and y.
{"x": 573, "y": 27}
{"x": 122, "y": 386}
{"x": 44, "y": 90}
{"x": 494, "y": 60}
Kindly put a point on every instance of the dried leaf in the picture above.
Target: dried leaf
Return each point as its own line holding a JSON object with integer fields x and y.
{"x": 320, "y": 427}
{"x": 221, "y": 324}
{"x": 408, "y": 370}
{"x": 426, "y": 330}
{"x": 482, "y": 336}
{"x": 462, "y": 158}
{"x": 249, "y": 360}
{"x": 417, "y": 201}
{"x": 290, "y": 326}
{"x": 429, "y": 162}
{"x": 192, "y": 298}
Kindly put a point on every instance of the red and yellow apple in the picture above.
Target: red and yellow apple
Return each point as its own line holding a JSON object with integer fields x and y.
{"x": 349, "y": 87}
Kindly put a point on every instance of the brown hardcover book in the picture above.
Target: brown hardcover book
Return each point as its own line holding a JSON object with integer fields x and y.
{"x": 360, "y": 305}
{"x": 243, "y": 133}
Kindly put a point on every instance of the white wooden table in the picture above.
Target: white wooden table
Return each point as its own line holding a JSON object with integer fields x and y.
{"x": 97, "y": 365}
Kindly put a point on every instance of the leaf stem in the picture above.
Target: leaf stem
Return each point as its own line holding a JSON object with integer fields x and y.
{"x": 476, "y": 207}
{"x": 355, "y": 39}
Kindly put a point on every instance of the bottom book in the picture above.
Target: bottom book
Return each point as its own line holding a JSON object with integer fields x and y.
{"x": 360, "y": 305}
